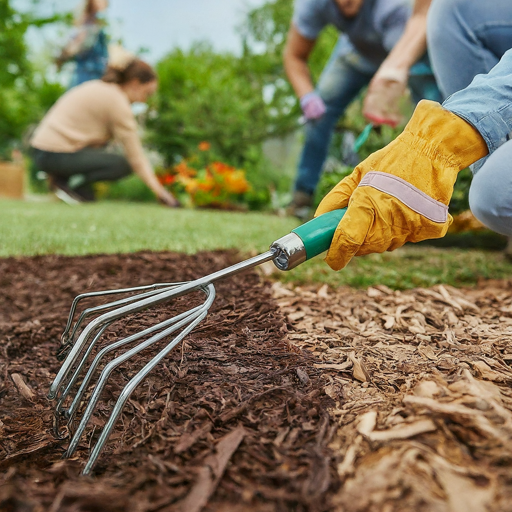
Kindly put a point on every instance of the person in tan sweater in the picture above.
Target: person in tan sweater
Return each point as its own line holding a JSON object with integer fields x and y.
{"x": 69, "y": 143}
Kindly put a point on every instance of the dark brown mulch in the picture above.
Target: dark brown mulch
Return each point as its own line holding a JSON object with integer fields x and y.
{"x": 236, "y": 419}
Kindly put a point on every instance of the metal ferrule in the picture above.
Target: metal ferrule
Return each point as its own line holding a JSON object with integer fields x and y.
{"x": 290, "y": 252}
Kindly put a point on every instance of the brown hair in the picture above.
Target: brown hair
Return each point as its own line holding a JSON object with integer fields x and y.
{"x": 137, "y": 69}
{"x": 87, "y": 14}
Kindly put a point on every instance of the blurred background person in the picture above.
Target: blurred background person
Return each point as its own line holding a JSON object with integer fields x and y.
{"x": 402, "y": 192}
{"x": 370, "y": 29}
{"x": 88, "y": 45}
{"x": 69, "y": 143}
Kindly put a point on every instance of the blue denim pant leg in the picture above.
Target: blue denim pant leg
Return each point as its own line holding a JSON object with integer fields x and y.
{"x": 490, "y": 195}
{"x": 342, "y": 79}
{"x": 467, "y": 38}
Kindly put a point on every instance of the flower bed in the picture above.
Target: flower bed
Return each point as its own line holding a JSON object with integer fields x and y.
{"x": 203, "y": 181}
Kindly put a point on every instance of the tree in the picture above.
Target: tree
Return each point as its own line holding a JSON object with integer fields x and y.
{"x": 24, "y": 94}
{"x": 233, "y": 102}
{"x": 207, "y": 96}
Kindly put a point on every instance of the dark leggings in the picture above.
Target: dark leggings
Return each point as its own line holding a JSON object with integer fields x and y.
{"x": 93, "y": 164}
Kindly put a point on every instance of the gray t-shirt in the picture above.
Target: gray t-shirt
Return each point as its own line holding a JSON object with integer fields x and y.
{"x": 372, "y": 32}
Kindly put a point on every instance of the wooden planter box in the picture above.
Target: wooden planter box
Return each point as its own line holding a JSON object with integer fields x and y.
{"x": 12, "y": 180}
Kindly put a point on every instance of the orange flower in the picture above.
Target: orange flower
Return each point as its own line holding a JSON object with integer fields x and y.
{"x": 236, "y": 183}
{"x": 184, "y": 170}
{"x": 204, "y": 146}
{"x": 221, "y": 168}
{"x": 191, "y": 186}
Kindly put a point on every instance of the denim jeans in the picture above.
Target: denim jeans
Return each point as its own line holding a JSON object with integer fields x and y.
{"x": 341, "y": 81}
{"x": 467, "y": 38}
{"x": 479, "y": 35}
{"x": 490, "y": 195}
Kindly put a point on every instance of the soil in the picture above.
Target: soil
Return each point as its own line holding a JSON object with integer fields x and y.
{"x": 284, "y": 398}
{"x": 234, "y": 419}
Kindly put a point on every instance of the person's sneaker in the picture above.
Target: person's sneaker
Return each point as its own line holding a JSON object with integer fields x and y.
{"x": 66, "y": 194}
{"x": 300, "y": 206}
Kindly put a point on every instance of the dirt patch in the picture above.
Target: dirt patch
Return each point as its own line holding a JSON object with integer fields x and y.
{"x": 424, "y": 376}
{"x": 236, "y": 419}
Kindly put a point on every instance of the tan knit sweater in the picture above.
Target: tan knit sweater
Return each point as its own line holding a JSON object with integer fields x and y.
{"x": 90, "y": 115}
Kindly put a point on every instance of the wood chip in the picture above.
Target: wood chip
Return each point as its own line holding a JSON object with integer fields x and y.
{"x": 359, "y": 372}
{"x": 210, "y": 475}
{"x": 403, "y": 431}
{"x": 23, "y": 388}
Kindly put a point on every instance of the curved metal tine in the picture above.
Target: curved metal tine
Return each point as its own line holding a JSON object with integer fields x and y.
{"x": 57, "y": 411}
{"x": 90, "y": 328}
{"x": 110, "y": 367}
{"x": 114, "y": 346}
{"x": 136, "y": 380}
{"x": 105, "y": 374}
{"x": 67, "y": 338}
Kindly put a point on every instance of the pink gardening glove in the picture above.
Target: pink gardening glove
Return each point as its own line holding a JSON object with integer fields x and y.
{"x": 382, "y": 101}
{"x": 312, "y": 105}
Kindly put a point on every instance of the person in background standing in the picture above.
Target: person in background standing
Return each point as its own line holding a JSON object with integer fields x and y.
{"x": 87, "y": 46}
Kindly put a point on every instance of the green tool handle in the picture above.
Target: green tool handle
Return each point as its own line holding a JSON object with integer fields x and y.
{"x": 317, "y": 233}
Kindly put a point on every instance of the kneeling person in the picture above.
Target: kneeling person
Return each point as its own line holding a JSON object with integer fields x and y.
{"x": 69, "y": 142}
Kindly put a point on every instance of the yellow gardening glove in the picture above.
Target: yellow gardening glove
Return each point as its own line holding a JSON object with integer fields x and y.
{"x": 401, "y": 193}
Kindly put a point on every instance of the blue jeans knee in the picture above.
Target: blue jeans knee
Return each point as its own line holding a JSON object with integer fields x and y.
{"x": 490, "y": 195}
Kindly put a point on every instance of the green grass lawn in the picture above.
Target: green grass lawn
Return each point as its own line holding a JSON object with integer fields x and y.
{"x": 30, "y": 228}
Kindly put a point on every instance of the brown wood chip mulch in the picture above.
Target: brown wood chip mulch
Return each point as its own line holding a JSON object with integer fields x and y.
{"x": 236, "y": 419}
{"x": 282, "y": 399}
{"x": 422, "y": 385}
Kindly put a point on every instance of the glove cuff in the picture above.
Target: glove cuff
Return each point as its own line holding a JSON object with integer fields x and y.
{"x": 304, "y": 100}
{"x": 445, "y": 135}
{"x": 392, "y": 74}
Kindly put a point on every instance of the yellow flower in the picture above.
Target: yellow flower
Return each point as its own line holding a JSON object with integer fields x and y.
{"x": 236, "y": 183}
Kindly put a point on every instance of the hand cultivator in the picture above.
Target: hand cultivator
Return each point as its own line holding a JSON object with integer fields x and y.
{"x": 79, "y": 340}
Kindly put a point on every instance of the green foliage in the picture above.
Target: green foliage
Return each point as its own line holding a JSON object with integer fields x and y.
{"x": 264, "y": 37}
{"x": 24, "y": 93}
{"x": 234, "y": 103}
{"x": 460, "y": 197}
{"x": 131, "y": 188}
{"x": 218, "y": 98}
{"x": 204, "y": 96}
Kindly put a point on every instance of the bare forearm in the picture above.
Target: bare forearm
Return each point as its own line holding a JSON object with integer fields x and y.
{"x": 413, "y": 43}
{"x": 142, "y": 168}
{"x": 74, "y": 46}
{"x": 297, "y": 71}
{"x": 382, "y": 102}
{"x": 411, "y": 46}
{"x": 295, "y": 60}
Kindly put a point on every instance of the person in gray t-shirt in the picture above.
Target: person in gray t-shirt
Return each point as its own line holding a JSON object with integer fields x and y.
{"x": 369, "y": 31}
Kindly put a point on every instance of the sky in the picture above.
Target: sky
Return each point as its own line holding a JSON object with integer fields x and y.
{"x": 161, "y": 25}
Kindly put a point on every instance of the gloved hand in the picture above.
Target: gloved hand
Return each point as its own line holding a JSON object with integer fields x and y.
{"x": 312, "y": 105}
{"x": 401, "y": 193}
{"x": 381, "y": 104}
